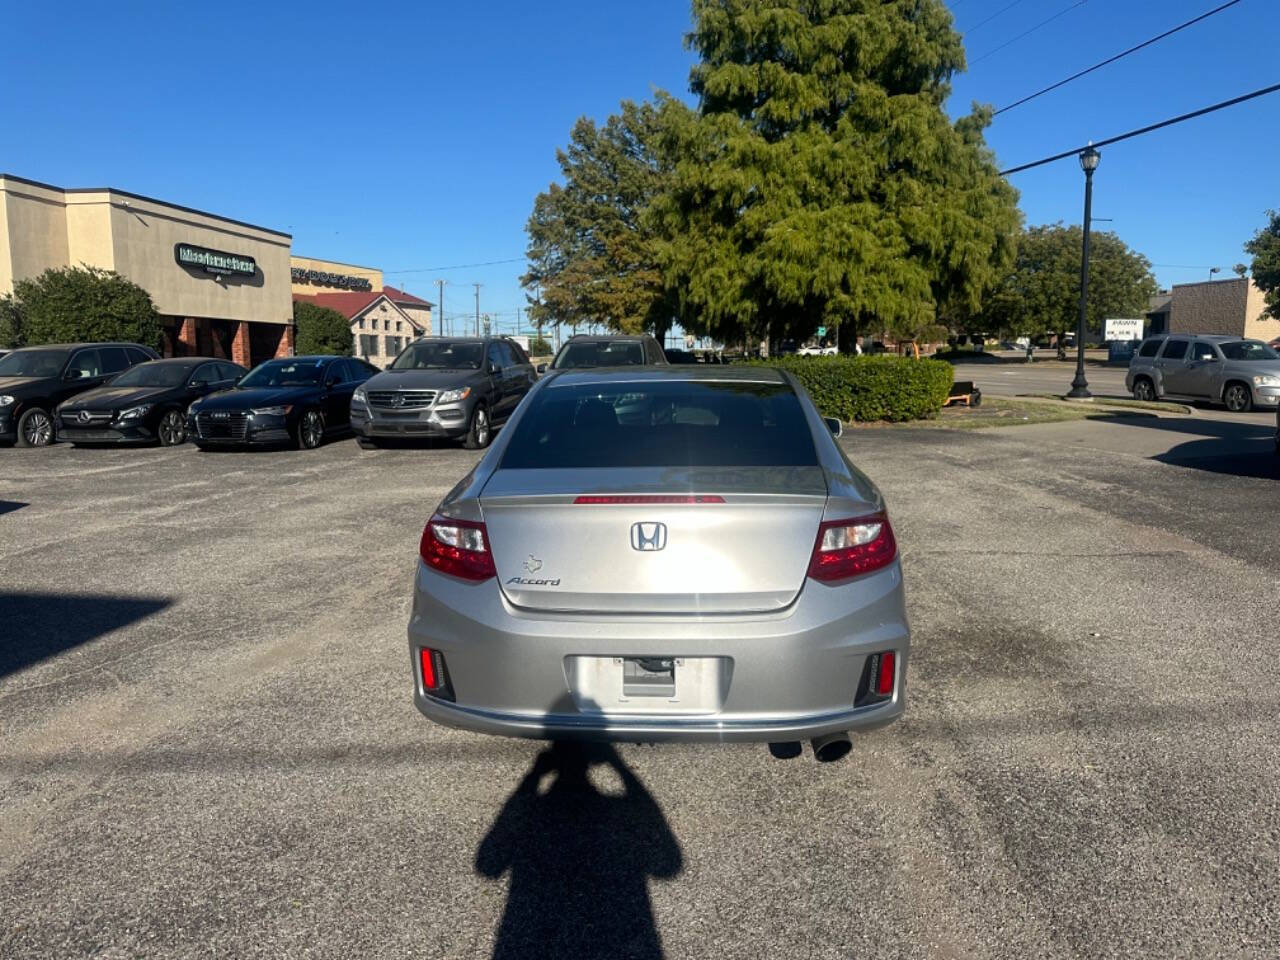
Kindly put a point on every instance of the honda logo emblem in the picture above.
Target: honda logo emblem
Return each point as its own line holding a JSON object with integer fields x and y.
{"x": 648, "y": 536}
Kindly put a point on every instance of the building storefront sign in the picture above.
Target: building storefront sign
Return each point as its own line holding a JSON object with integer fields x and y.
{"x": 326, "y": 279}
{"x": 214, "y": 261}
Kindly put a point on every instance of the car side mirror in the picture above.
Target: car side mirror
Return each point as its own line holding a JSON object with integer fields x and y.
{"x": 834, "y": 425}
{"x": 197, "y": 385}
{"x": 330, "y": 382}
{"x": 542, "y": 368}
{"x": 494, "y": 369}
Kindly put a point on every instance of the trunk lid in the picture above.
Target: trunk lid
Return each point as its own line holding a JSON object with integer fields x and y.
{"x": 747, "y": 553}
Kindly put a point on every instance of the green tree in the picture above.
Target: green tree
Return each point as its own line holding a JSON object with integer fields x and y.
{"x": 821, "y": 182}
{"x": 592, "y": 255}
{"x": 1042, "y": 293}
{"x": 321, "y": 330}
{"x": 11, "y": 330}
{"x": 1265, "y": 250}
{"x": 69, "y": 304}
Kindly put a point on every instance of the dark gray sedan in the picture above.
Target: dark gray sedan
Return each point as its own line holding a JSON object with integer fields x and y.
{"x": 455, "y": 387}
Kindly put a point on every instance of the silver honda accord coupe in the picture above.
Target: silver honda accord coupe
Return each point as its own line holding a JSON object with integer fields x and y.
{"x": 662, "y": 553}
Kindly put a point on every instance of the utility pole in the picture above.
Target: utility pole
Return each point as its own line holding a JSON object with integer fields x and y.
{"x": 440, "y": 284}
{"x": 517, "y": 321}
{"x": 477, "y": 286}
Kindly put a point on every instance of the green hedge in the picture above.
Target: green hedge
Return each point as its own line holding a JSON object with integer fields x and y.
{"x": 871, "y": 388}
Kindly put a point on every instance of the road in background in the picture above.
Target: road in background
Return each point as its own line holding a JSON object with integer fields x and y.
{"x": 208, "y": 745}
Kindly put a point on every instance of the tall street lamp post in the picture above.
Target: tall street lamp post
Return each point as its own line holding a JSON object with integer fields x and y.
{"x": 1089, "y": 158}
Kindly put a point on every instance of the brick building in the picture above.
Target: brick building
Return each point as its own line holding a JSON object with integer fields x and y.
{"x": 1233, "y": 308}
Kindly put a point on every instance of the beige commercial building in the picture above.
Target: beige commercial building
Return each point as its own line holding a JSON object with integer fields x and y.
{"x": 224, "y": 287}
{"x": 1233, "y": 308}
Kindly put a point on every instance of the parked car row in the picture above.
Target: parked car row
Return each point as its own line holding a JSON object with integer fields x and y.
{"x": 461, "y": 388}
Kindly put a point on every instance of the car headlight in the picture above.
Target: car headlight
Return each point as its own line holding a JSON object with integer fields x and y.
{"x": 133, "y": 413}
{"x": 280, "y": 411}
{"x": 453, "y": 396}
{"x": 6, "y": 400}
{"x": 1266, "y": 380}
{"x": 359, "y": 395}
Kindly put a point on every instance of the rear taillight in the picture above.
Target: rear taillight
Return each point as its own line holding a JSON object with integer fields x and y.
{"x": 459, "y": 548}
{"x": 434, "y": 674}
{"x": 879, "y": 673}
{"x": 850, "y": 548}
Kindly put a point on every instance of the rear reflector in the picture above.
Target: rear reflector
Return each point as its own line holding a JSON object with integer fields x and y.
{"x": 459, "y": 548}
{"x": 430, "y": 679}
{"x": 884, "y": 682}
{"x": 646, "y": 499}
{"x": 850, "y": 548}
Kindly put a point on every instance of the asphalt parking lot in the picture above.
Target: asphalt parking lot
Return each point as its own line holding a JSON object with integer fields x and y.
{"x": 208, "y": 747}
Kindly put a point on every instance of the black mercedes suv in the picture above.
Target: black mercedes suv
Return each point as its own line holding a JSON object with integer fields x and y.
{"x": 34, "y": 380}
{"x": 298, "y": 400}
{"x": 456, "y": 387}
{"x": 145, "y": 404}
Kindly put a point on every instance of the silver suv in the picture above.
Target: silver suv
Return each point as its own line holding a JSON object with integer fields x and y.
{"x": 1236, "y": 371}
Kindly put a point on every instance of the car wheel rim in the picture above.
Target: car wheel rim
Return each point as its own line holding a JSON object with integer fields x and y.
{"x": 171, "y": 431}
{"x": 311, "y": 429}
{"x": 482, "y": 428}
{"x": 1235, "y": 399}
{"x": 39, "y": 430}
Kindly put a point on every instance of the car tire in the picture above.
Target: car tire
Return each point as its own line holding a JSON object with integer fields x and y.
{"x": 172, "y": 429}
{"x": 35, "y": 428}
{"x": 1144, "y": 390}
{"x": 1237, "y": 397}
{"x": 309, "y": 433}
{"x": 479, "y": 432}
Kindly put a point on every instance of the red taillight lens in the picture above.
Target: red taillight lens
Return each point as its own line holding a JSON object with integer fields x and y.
{"x": 850, "y": 548}
{"x": 884, "y": 681}
{"x": 459, "y": 548}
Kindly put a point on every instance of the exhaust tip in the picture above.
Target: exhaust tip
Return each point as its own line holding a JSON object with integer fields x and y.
{"x": 786, "y": 749}
{"x": 831, "y": 747}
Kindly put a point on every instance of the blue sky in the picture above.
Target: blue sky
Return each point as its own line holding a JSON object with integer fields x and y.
{"x": 414, "y": 136}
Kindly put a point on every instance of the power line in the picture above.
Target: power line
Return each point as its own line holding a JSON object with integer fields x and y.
{"x": 1147, "y": 129}
{"x": 990, "y": 18}
{"x": 459, "y": 266}
{"x": 1026, "y": 33}
{"x": 1118, "y": 56}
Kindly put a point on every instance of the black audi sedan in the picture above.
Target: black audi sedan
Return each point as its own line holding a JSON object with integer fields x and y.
{"x": 145, "y": 404}
{"x": 297, "y": 400}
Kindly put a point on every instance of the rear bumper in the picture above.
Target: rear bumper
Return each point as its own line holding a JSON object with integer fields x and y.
{"x": 793, "y": 674}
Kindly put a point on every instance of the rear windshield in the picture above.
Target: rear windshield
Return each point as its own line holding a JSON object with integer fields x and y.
{"x": 153, "y": 375}
{"x": 662, "y": 424}
{"x": 600, "y": 353}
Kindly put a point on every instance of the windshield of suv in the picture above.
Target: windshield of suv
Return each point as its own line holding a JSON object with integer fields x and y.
{"x": 153, "y": 375}
{"x": 1248, "y": 350}
{"x": 284, "y": 373}
{"x": 599, "y": 353}
{"x": 33, "y": 363}
{"x": 441, "y": 355}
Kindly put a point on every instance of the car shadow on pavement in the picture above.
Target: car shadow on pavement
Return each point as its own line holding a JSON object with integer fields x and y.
{"x": 579, "y": 859}
{"x": 1229, "y": 447}
{"x": 8, "y": 506}
{"x": 36, "y": 626}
